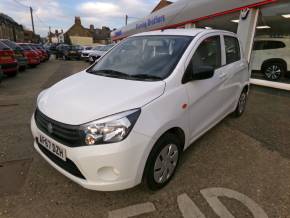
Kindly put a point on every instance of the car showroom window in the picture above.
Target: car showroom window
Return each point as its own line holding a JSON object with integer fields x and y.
{"x": 208, "y": 53}
{"x": 232, "y": 47}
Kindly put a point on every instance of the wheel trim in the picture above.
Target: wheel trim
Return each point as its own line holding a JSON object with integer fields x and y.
{"x": 273, "y": 72}
{"x": 165, "y": 163}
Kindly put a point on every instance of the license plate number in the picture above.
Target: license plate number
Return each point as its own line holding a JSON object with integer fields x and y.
{"x": 52, "y": 147}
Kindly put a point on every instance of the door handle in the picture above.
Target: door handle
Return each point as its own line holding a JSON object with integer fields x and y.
{"x": 222, "y": 75}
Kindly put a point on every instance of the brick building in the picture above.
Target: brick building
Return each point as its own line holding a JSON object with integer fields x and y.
{"x": 78, "y": 34}
{"x": 9, "y": 29}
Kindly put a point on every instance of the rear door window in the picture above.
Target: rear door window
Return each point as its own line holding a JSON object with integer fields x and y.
{"x": 232, "y": 47}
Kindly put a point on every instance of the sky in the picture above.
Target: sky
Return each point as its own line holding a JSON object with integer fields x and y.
{"x": 59, "y": 14}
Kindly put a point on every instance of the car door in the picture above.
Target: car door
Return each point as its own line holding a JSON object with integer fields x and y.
{"x": 205, "y": 96}
{"x": 236, "y": 72}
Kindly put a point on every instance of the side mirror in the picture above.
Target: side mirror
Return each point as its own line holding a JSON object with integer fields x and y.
{"x": 202, "y": 72}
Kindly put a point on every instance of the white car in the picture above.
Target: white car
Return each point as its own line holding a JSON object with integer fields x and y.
{"x": 271, "y": 56}
{"x": 85, "y": 53}
{"x": 129, "y": 117}
{"x": 95, "y": 55}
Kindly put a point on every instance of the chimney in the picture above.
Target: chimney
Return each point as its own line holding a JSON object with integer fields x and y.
{"x": 61, "y": 31}
{"x": 78, "y": 20}
{"x": 92, "y": 28}
{"x": 56, "y": 32}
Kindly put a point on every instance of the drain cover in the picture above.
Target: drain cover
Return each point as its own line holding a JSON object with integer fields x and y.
{"x": 13, "y": 175}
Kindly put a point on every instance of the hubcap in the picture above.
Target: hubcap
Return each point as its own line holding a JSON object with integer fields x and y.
{"x": 242, "y": 102}
{"x": 165, "y": 163}
{"x": 273, "y": 72}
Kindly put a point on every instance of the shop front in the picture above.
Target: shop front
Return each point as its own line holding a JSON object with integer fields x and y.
{"x": 263, "y": 26}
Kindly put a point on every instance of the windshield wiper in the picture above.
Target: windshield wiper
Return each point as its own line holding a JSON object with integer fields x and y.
{"x": 110, "y": 73}
{"x": 146, "y": 76}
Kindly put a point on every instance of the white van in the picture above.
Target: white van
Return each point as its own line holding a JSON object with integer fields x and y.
{"x": 129, "y": 117}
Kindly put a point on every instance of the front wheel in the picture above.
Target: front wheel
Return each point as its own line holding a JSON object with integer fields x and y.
{"x": 241, "y": 107}
{"x": 162, "y": 162}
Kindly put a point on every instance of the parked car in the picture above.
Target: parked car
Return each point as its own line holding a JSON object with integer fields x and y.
{"x": 70, "y": 52}
{"x": 1, "y": 74}
{"x": 8, "y": 61}
{"x": 85, "y": 54}
{"x": 42, "y": 53}
{"x": 96, "y": 54}
{"x": 32, "y": 56}
{"x": 38, "y": 51}
{"x": 271, "y": 57}
{"x": 59, "y": 49}
{"x": 18, "y": 53}
{"x": 129, "y": 117}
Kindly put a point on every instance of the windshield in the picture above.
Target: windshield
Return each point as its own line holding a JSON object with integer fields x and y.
{"x": 143, "y": 58}
{"x": 97, "y": 48}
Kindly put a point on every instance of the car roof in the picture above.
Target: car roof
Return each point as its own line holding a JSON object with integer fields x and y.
{"x": 182, "y": 32}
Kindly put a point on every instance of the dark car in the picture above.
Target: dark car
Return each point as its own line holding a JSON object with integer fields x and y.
{"x": 69, "y": 52}
{"x": 8, "y": 61}
{"x": 18, "y": 53}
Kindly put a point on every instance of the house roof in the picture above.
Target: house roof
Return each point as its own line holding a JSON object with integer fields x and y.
{"x": 161, "y": 4}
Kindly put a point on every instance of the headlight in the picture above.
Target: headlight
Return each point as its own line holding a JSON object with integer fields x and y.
{"x": 111, "y": 129}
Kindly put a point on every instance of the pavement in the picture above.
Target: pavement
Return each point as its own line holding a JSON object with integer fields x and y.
{"x": 240, "y": 168}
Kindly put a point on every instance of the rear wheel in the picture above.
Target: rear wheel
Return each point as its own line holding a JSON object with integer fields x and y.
{"x": 273, "y": 71}
{"x": 162, "y": 162}
{"x": 241, "y": 107}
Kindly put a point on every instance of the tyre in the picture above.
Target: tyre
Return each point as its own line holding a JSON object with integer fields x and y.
{"x": 241, "y": 107}
{"x": 273, "y": 71}
{"x": 22, "y": 68}
{"x": 162, "y": 162}
{"x": 32, "y": 65}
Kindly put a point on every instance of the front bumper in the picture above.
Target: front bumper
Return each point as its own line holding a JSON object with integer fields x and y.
{"x": 109, "y": 167}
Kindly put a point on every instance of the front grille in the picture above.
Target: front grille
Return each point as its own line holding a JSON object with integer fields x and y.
{"x": 8, "y": 66}
{"x": 67, "y": 165}
{"x": 68, "y": 135}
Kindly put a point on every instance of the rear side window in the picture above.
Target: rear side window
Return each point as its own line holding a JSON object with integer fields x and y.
{"x": 232, "y": 47}
{"x": 268, "y": 45}
{"x": 3, "y": 46}
{"x": 10, "y": 44}
{"x": 208, "y": 53}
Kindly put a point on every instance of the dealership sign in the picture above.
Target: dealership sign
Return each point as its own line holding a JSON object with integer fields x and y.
{"x": 185, "y": 12}
{"x": 151, "y": 22}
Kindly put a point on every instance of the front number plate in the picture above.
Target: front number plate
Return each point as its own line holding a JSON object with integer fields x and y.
{"x": 52, "y": 147}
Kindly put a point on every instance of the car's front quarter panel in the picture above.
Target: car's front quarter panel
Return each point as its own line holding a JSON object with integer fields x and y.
{"x": 167, "y": 112}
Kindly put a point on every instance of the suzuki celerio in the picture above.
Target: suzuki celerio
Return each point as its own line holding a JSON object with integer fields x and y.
{"x": 129, "y": 117}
